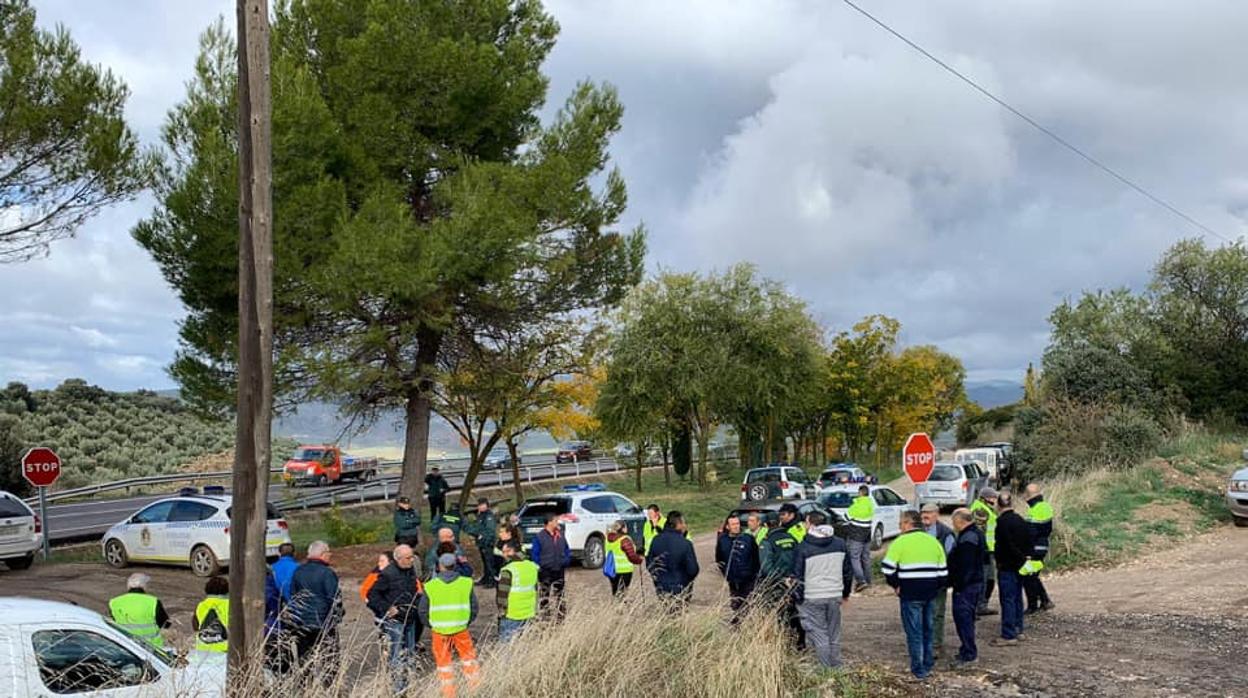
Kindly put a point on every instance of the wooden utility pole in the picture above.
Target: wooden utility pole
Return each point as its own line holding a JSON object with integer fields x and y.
{"x": 255, "y": 345}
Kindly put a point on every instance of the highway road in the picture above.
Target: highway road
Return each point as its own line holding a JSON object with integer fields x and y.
{"x": 86, "y": 520}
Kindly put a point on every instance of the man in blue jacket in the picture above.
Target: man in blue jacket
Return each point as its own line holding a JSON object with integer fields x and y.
{"x": 671, "y": 561}
{"x": 316, "y": 609}
{"x": 736, "y": 554}
{"x": 553, "y": 556}
{"x": 284, "y": 569}
{"x": 825, "y": 576}
{"x": 966, "y": 578}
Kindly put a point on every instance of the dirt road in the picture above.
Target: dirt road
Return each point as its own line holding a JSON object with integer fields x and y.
{"x": 1172, "y": 624}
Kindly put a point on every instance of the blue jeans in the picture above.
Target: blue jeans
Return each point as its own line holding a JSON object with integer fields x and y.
{"x": 402, "y": 637}
{"x": 507, "y": 628}
{"x": 1010, "y": 587}
{"x": 964, "y": 604}
{"x": 916, "y": 620}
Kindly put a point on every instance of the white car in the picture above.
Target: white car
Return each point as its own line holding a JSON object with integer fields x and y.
{"x": 776, "y": 482}
{"x": 50, "y": 648}
{"x": 191, "y": 530}
{"x": 585, "y": 512}
{"x": 886, "y": 524}
{"x": 21, "y": 532}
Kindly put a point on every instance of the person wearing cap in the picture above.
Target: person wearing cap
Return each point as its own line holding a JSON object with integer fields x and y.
{"x": 436, "y": 488}
{"x": 776, "y": 571}
{"x": 448, "y": 607}
{"x": 985, "y": 511}
{"x": 861, "y": 515}
{"x": 1040, "y": 519}
{"x": 139, "y": 613}
{"x": 933, "y": 527}
{"x": 483, "y": 529}
{"x": 517, "y": 591}
{"x": 406, "y": 523}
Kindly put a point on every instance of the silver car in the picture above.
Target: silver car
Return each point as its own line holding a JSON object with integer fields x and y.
{"x": 1237, "y": 496}
{"x": 952, "y": 484}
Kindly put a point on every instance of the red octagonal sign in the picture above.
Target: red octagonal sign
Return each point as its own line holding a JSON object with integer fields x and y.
{"x": 918, "y": 457}
{"x": 41, "y": 466}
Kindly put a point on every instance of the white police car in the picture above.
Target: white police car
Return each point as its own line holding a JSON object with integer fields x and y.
{"x": 585, "y": 512}
{"x": 190, "y": 529}
{"x": 51, "y": 648}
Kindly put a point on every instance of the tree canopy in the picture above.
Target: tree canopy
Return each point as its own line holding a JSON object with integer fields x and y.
{"x": 65, "y": 149}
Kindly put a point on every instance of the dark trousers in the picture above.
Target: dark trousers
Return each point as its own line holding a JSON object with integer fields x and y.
{"x": 489, "y": 573}
{"x": 620, "y": 582}
{"x": 990, "y": 574}
{"x": 965, "y": 601}
{"x": 794, "y": 619}
{"x": 550, "y": 599}
{"x": 1011, "y": 603}
{"x": 738, "y": 596}
{"x": 916, "y": 620}
{"x": 437, "y": 507}
{"x": 317, "y": 651}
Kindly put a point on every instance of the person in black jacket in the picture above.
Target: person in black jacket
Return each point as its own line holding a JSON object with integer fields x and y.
{"x": 316, "y": 610}
{"x": 394, "y": 599}
{"x": 1013, "y": 550}
{"x": 736, "y": 554}
{"x": 966, "y": 578}
{"x": 671, "y": 561}
{"x": 553, "y": 557}
{"x": 436, "y": 488}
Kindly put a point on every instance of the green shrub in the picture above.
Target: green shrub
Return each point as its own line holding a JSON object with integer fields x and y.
{"x": 342, "y": 532}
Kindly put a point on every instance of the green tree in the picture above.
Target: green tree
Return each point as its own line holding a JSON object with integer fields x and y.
{"x": 1031, "y": 386}
{"x": 12, "y": 447}
{"x": 65, "y": 149}
{"x": 415, "y": 191}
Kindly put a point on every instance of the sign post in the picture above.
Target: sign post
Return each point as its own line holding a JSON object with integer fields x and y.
{"x": 918, "y": 457}
{"x": 41, "y": 467}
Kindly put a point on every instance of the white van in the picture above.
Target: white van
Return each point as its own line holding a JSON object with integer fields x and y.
{"x": 988, "y": 459}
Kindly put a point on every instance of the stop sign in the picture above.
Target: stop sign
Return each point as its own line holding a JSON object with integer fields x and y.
{"x": 41, "y": 466}
{"x": 918, "y": 457}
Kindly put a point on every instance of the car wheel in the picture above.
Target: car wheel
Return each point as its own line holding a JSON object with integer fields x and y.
{"x": 115, "y": 554}
{"x": 322, "y": 481}
{"x": 756, "y": 492}
{"x": 1241, "y": 522}
{"x": 595, "y": 554}
{"x": 877, "y": 537}
{"x": 20, "y": 563}
{"x": 204, "y": 562}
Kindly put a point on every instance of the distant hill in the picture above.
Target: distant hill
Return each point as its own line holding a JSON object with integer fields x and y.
{"x": 102, "y": 435}
{"x": 990, "y": 394}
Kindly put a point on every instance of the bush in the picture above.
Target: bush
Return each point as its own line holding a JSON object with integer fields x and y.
{"x": 1130, "y": 436}
{"x": 1065, "y": 437}
{"x": 342, "y": 532}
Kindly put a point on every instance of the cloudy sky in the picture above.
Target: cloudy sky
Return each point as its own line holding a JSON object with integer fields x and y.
{"x": 796, "y": 135}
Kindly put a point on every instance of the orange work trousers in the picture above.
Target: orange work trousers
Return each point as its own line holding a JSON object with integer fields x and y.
{"x": 462, "y": 643}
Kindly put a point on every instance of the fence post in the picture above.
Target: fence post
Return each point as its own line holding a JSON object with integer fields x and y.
{"x": 530, "y": 473}
{"x": 360, "y": 489}
{"x": 597, "y": 466}
{"x": 577, "y": 463}
{"x": 385, "y": 490}
{"x": 499, "y": 473}
{"x": 554, "y": 470}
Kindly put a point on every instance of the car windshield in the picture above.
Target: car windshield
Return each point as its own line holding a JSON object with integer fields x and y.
{"x": 308, "y": 454}
{"x": 945, "y": 473}
{"x": 837, "y": 500}
{"x": 570, "y": 446}
{"x": 165, "y": 657}
{"x": 766, "y": 475}
{"x": 541, "y": 507}
{"x": 832, "y": 475}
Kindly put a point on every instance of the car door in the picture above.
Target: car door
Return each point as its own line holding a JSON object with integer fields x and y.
{"x": 145, "y": 534}
{"x": 599, "y": 512}
{"x": 183, "y": 530}
{"x": 884, "y": 514}
{"x": 74, "y": 660}
{"x": 898, "y": 504}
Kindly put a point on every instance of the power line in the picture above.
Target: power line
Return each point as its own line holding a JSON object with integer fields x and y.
{"x": 1040, "y": 127}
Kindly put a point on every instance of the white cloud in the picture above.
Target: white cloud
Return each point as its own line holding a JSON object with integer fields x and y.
{"x": 93, "y": 337}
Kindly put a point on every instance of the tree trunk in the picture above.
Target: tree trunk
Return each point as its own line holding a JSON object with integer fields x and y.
{"x": 252, "y": 440}
{"x": 476, "y": 458}
{"x": 513, "y": 451}
{"x": 419, "y": 411}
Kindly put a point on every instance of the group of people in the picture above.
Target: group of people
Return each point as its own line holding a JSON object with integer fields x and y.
{"x": 989, "y": 542}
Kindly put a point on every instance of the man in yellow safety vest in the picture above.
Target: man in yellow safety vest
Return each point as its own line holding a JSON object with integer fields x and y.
{"x": 138, "y": 612}
{"x": 517, "y": 591}
{"x": 448, "y": 607}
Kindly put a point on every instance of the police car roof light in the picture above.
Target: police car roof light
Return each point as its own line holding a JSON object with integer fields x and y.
{"x": 214, "y": 489}
{"x": 188, "y": 492}
{"x": 593, "y": 487}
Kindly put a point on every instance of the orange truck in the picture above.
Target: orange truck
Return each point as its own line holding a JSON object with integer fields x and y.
{"x": 325, "y": 465}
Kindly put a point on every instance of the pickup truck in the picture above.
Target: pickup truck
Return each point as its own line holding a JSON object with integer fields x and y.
{"x": 324, "y": 465}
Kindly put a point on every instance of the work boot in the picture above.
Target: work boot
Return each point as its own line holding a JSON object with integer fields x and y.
{"x": 986, "y": 611}
{"x": 1032, "y": 611}
{"x": 1002, "y": 642}
{"x": 1047, "y": 605}
{"x": 959, "y": 664}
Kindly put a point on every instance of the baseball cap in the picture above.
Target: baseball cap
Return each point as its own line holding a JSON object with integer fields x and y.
{"x": 405, "y": 500}
{"x": 789, "y": 507}
{"x": 446, "y": 560}
{"x": 988, "y": 493}
{"x": 931, "y": 507}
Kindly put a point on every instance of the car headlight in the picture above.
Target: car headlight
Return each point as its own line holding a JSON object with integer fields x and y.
{"x": 1239, "y": 486}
